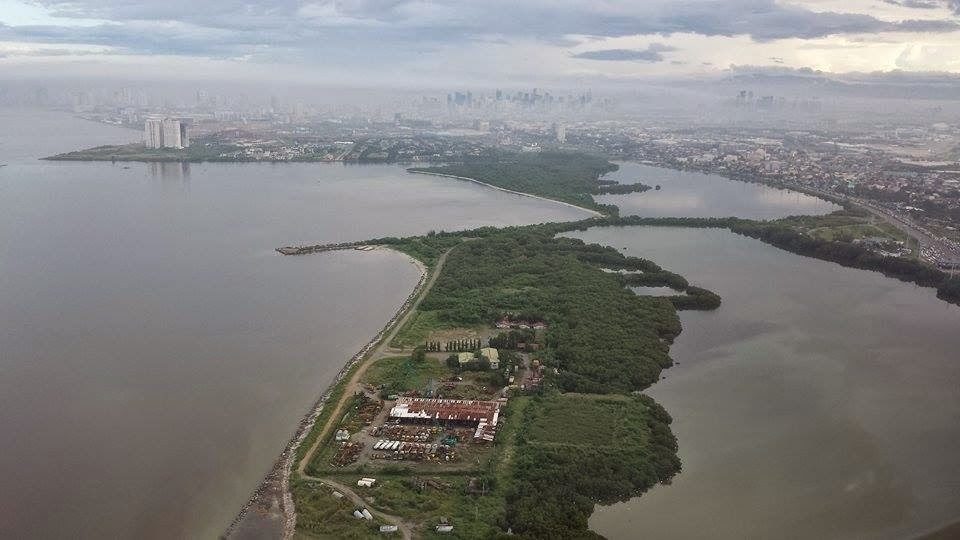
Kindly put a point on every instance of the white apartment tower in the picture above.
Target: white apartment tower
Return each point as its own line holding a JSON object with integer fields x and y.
{"x": 153, "y": 133}
{"x": 165, "y": 133}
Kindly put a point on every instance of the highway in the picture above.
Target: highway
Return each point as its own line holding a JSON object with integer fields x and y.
{"x": 934, "y": 250}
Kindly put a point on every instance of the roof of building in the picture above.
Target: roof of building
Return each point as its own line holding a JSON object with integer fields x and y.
{"x": 486, "y": 414}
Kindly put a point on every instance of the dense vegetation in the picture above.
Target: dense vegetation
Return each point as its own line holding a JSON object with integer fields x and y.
{"x": 426, "y": 249}
{"x": 601, "y": 336}
{"x": 138, "y": 152}
{"x": 564, "y": 176}
{"x": 620, "y": 189}
{"x": 574, "y": 451}
{"x": 602, "y": 443}
{"x": 587, "y": 438}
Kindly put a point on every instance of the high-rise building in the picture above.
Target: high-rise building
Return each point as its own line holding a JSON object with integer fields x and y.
{"x": 561, "y": 133}
{"x": 172, "y": 133}
{"x": 153, "y": 133}
{"x": 165, "y": 133}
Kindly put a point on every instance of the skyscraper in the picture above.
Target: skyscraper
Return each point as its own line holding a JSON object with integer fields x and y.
{"x": 165, "y": 133}
{"x": 153, "y": 133}
{"x": 172, "y": 133}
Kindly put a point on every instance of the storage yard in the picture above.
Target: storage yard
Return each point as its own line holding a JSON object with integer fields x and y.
{"x": 415, "y": 430}
{"x": 439, "y": 410}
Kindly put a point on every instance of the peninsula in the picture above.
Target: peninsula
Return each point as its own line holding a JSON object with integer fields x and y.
{"x": 508, "y": 398}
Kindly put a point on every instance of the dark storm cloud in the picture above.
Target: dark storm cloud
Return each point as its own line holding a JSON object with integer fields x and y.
{"x": 916, "y": 4}
{"x": 927, "y": 4}
{"x": 653, "y": 53}
{"x": 290, "y": 28}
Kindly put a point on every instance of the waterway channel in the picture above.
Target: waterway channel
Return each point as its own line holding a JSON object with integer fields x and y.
{"x": 817, "y": 402}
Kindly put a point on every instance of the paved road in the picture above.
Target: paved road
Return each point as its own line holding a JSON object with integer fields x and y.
{"x": 906, "y": 225}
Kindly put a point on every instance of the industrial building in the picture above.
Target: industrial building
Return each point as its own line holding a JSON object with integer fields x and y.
{"x": 483, "y": 415}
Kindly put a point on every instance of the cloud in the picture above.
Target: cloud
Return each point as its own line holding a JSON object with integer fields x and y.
{"x": 953, "y": 5}
{"x": 653, "y": 53}
{"x": 450, "y": 20}
{"x": 393, "y": 34}
{"x": 916, "y": 4}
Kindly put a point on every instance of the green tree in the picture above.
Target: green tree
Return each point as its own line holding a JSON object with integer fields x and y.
{"x": 453, "y": 361}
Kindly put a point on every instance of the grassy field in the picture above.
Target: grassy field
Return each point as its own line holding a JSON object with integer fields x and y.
{"x": 576, "y": 450}
{"x": 321, "y": 515}
{"x": 400, "y": 373}
{"x": 417, "y": 328}
{"x": 426, "y": 326}
{"x": 588, "y": 420}
{"x": 424, "y": 499}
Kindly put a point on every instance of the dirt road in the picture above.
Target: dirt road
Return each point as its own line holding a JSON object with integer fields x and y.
{"x": 405, "y": 528}
{"x": 380, "y": 351}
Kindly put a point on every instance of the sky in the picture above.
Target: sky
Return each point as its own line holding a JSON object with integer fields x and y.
{"x": 444, "y": 42}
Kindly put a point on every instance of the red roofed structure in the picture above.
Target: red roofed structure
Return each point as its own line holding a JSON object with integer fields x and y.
{"x": 483, "y": 415}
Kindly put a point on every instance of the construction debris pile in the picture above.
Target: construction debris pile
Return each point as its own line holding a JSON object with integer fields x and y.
{"x": 347, "y": 454}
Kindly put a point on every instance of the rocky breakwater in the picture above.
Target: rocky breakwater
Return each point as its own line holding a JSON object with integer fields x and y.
{"x": 270, "y": 510}
{"x": 320, "y": 248}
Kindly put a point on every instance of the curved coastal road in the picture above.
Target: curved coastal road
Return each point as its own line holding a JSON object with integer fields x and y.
{"x": 353, "y": 385}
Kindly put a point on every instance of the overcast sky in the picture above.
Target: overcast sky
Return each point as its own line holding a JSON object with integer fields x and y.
{"x": 420, "y": 42}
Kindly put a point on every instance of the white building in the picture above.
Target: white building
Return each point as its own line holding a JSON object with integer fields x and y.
{"x": 165, "y": 133}
{"x": 175, "y": 134}
{"x": 153, "y": 133}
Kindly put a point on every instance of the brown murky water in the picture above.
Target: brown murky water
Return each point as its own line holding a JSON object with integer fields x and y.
{"x": 155, "y": 352}
{"x": 694, "y": 194}
{"x": 817, "y": 402}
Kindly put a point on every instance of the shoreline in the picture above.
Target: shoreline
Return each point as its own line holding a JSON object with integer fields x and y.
{"x": 475, "y": 181}
{"x": 273, "y": 491}
{"x": 940, "y": 532}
